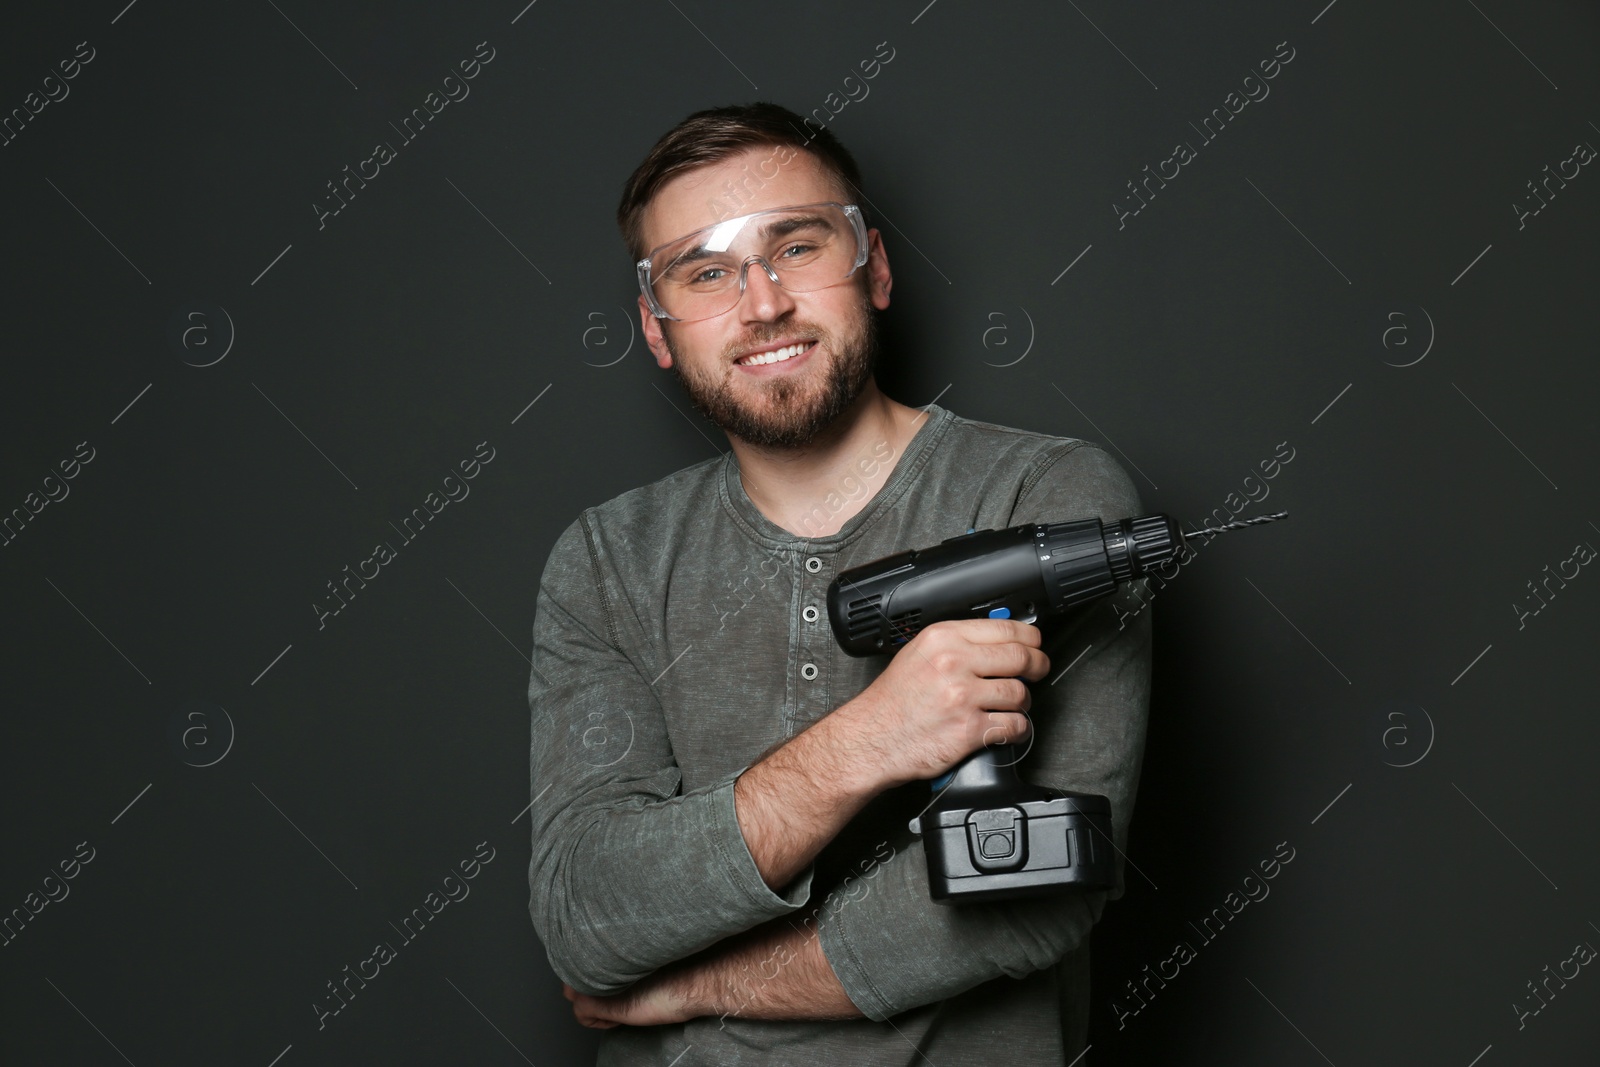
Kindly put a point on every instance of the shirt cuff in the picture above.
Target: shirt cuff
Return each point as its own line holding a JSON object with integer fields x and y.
{"x": 893, "y": 948}
{"x": 850, "y": 945}
{"x": 727, "y": 847}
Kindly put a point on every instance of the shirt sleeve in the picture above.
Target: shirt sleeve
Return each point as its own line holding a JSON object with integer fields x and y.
{"x": 627, "y": 873}
{"x": 892, "y": 947}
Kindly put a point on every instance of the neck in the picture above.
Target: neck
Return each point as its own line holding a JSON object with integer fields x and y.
{"x": 814, "y": 490}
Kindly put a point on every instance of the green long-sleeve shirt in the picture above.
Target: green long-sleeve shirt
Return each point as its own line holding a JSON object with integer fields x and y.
{"x": 679, "y": 635}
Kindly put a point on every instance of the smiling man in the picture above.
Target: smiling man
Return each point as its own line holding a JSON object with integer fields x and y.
{"x": 788, "y": 375}
{"x": 722, "y": 871}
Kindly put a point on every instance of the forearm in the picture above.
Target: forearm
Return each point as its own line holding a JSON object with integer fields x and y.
{"x": 775, "y": 971}
{"x": 795, "y": 800}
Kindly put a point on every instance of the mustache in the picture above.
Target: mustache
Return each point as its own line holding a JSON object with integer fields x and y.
{"x": 757, "y": 338}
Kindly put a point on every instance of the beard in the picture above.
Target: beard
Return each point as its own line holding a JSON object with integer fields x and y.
{"x": 791, "y": 411}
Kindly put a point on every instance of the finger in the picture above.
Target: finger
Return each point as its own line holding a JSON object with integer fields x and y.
{"x": 1005, "y": 728}
{"x": 987, "y": 631}
{"x": 1009, "y": 660}
{"x": 586, "y": 1010}
{"x": 1005, "y": 694}
{"x": 999, "y": 631}
{"x": 1038, "y": 665}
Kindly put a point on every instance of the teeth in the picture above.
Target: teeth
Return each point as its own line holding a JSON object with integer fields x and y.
{"x": 777, "y": 355}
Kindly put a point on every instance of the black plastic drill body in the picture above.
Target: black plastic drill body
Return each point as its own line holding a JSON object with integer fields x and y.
{"x": 989, "y": 835}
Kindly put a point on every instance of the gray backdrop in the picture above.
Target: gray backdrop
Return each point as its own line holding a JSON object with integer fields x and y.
{"x": 223, "y": 786}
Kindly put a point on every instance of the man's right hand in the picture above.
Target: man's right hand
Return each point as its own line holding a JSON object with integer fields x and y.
{"x": 949, "y": 691}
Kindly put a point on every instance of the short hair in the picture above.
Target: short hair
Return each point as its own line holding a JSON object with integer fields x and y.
{"x": 713, "y": 135}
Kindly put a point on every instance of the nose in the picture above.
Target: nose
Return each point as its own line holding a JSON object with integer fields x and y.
{"x": 761, "y": 297}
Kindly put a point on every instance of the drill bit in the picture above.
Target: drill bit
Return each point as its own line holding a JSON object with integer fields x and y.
{"x": 1238, "y": 525}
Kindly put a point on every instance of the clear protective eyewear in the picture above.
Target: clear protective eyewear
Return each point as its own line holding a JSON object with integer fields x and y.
{"x": 803, "y": 248}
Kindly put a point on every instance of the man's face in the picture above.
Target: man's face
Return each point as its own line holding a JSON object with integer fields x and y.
{"x": 782, "y": 405}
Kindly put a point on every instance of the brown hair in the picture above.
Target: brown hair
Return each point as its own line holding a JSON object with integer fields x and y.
{"x": 713, "y": 135}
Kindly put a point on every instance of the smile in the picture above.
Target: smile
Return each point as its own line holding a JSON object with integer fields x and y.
{"x": 777, "y": 355}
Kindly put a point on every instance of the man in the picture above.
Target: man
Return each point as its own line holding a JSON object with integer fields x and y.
{"x": 722, "y": 871}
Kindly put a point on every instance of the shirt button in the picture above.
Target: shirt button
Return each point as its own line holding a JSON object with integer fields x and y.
{"x": 813, "y": 564}
{"x": 810, "y": 614}
{"x": 809, "y": 671}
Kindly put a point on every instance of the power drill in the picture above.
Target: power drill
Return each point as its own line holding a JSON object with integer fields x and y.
{"x": 988, "y": 834}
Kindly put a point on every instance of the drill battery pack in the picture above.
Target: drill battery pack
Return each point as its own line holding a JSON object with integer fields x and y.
{"x": 1017, "y": 847}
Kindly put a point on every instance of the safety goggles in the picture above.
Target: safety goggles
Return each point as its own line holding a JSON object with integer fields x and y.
{"x": 803, "y": 248}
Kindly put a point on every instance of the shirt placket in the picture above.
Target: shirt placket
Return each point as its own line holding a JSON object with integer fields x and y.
{"x": 809, "y": 661}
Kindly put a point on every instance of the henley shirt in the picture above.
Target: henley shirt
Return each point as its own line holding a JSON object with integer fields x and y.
{"x": 679, "y": 635}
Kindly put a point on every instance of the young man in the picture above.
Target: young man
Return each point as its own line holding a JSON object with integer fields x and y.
{"x": 722, "y": 871}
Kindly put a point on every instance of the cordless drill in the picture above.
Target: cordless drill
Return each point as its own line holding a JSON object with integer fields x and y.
{"x": 988, "y": 834}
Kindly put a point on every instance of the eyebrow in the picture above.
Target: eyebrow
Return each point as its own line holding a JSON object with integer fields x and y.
{"x": 773, "y": 228}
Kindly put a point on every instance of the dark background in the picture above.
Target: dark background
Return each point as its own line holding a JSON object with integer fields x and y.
{"x": 1342, "y": 269}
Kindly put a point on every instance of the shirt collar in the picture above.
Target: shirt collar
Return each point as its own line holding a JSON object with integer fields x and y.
{"x": 906, "y": 468}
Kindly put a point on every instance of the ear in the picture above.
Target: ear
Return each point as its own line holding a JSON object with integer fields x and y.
{"x": 879, "y": 280}
{"x": 651, "y": 327}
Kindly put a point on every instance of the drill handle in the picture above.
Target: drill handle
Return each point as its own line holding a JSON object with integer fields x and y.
{"x": 990, "y": 768}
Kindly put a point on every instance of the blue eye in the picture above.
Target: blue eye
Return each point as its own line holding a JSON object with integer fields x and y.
{"x": 705, "y": 275}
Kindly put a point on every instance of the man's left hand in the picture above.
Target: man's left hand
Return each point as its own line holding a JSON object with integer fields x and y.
{"x": 655, "y": 1001}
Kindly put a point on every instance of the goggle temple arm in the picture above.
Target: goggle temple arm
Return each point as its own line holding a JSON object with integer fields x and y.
{"x": 643, "y": 270}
